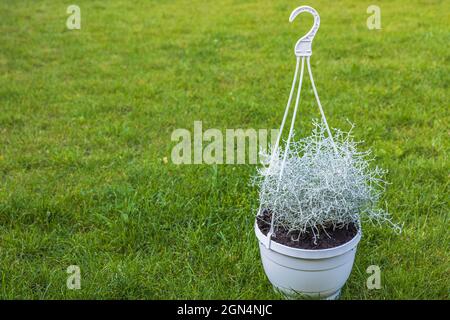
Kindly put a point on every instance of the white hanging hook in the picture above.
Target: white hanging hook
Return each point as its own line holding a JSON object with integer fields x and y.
{"x": 303, "y": 47}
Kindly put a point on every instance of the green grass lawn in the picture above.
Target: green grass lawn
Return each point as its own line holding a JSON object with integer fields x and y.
{"x": 86, "y": 118}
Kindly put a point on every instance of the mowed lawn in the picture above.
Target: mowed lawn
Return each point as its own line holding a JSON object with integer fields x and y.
{"x": 86, "y": 118}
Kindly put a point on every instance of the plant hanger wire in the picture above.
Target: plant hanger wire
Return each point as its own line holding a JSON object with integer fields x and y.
{"x": 303, "y": 51}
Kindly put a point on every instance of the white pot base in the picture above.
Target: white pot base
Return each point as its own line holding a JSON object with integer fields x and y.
{"x": 297, "y": 296}
{"x": 335, "y": 296}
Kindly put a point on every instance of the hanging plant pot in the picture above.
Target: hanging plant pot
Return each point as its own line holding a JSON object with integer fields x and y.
{"x": 312, "y": 194}
{"x": 314, "y": 273}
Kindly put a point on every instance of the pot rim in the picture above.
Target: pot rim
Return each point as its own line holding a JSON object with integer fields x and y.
{"x": 308, "y": 253}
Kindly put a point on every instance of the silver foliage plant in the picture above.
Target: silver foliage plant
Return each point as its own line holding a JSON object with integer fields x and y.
{"x": 322, "y": 187}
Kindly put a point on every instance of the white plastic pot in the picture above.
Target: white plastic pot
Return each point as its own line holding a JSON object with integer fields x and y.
{"x": 307, "y": 273}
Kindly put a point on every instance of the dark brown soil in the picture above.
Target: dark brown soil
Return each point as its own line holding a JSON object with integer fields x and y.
{"x": 328, "y": 237}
